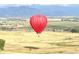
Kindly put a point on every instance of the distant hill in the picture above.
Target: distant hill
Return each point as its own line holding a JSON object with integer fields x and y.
{"x": 48, "y": 10}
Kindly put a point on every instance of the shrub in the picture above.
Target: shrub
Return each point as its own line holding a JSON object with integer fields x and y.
{"x": 2, "y": 43}
{"x": 74, "y": 30}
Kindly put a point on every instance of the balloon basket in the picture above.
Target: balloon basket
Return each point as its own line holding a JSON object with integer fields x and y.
{"x": 38, "y": 35}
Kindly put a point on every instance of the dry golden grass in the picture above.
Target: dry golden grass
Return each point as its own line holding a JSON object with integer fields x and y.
{"x": 48, "y": 42}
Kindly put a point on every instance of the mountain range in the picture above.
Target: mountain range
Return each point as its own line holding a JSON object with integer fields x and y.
{"x": 13, "y": 10}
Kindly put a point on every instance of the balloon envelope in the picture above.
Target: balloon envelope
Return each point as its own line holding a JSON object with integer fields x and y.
{"x": 38, "y": 23}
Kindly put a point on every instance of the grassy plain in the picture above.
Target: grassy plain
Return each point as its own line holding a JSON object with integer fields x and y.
{"x": 48, "y": 42}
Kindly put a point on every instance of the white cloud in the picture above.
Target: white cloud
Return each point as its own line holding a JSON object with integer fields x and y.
{"x": 39, "y": 1}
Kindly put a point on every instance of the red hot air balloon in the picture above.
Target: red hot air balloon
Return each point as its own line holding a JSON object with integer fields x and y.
{"x": 38, "y": 23}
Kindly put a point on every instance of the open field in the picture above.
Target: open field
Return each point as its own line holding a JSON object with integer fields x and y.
{"x": 22, "y": 38}
{"x": 48, "y": 42}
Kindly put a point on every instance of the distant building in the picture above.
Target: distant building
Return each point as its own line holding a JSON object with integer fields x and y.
{"x": 55, "y": 19}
